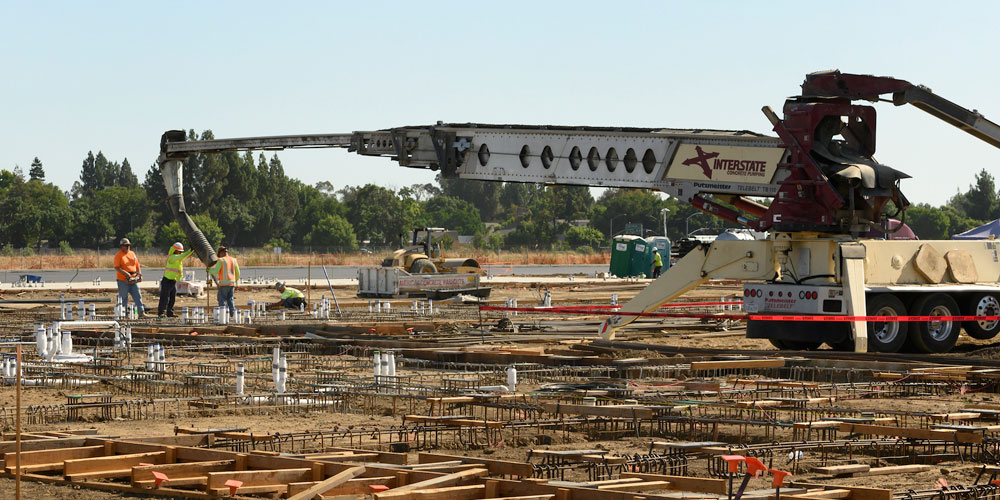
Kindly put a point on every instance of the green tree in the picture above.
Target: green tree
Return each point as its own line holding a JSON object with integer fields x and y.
{"x": 577, "y": 236}
{"x": 170, "y": 233}
{"x": 36, "y": 172}
{"x": 484, "y": 195}
{"x": 333, "y": 231}
{"x": 927, "y": 222}
{"x": 622, "y": 206}
{"x": 34, "y": 211}
{"x": 210, "y": 228}
{"x": 375, "y": 213}
{"x": 453, "y": 213}
{"x": 981, "y": 201}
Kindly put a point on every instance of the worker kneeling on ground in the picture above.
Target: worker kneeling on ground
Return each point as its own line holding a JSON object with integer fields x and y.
{"x": 172, "y": 273}
{"x": 290, "y": 297}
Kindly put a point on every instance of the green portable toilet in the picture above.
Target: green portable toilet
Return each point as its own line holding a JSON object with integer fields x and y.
{"x": 641, "y": 262}
{"x": 660, "y": 244}
{"x": 622, "y": 248}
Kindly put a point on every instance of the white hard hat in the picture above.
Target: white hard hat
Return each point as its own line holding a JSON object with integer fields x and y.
{"x": 178, "y": 246}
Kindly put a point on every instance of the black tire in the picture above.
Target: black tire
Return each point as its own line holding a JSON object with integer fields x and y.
{"x": 423, "y": 266}
{"x": 885, "y": 336}
{"x": 982, "y": 304}
{"x": 795, "y": 345}
{"x": 934, "y": 336}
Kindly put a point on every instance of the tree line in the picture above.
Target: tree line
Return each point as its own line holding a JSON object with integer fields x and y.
{"x": 247, "y": 200}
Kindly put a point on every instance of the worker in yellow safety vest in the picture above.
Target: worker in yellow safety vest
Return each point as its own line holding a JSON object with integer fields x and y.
{"x": 172, "y": 273}
{"x": 291, "y": 298}
{"x": 226, "y": 272}
{"x": 657, "y": 263}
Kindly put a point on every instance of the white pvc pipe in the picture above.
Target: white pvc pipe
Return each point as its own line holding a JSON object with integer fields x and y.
{"x": 67, "y": 344}
{"x": 275, "y": 360}
{"x": 377, "y": 363}
{"x": 240, "y": 378}
{"x": 150, "y": 357}
{"x": 392, "y": 364}
{"x": 41, "y": 342}
{"x": 282, "y": 374}
{"x": 512, "y": 378}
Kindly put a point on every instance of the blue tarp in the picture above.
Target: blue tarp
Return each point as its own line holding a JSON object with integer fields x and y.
{"x": 983, "y": 232}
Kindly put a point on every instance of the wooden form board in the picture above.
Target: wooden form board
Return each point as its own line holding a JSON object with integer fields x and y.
{"x": 443, "y": 480}
{"x": 857, "y": 493}
{"x": 109, "y": 466}
{"x": 906, "y": 432}
{"x": 496, "y": 467}
{"x": 44, "y": 460}
{"x": 467, "y": 492}
{"x": 328, "y": 484}
{"x": 684, "y": 483}
{"x": 142, "y": 475}
{"x": 357, "y": 486}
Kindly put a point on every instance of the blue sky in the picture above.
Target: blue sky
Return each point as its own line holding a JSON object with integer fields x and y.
{"x": 112, "y": 76}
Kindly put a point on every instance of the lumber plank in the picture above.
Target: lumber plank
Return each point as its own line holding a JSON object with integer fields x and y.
{"x": 685, "y": 483}
{"x": 49, "y": 457}
{"x": 907, "y": 432}
{"x": 643, "y": 486}
{"x": 496, "y": 467}
{"x": 467, "y": 492}
{"x": 837, "y": 470}
{"x": 329, "y": 483}
{"x": 857, "y": 492}
{"x": 110, "y": 466}
{"x": 144, "y": 473}
{"x": 898, "y": 469}
{"x": 217, "y": 480}
{"x": 437, "y": 482}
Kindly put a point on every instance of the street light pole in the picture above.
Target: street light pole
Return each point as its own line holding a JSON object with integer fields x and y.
{"x": 687, "y": 229}
{"x": 611, "y": 225}
{"x": 663, "y": 211}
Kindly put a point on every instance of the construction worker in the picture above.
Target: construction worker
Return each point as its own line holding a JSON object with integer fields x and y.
{"x": 657, "y": 263}
{"x": 225, "y": 272}
{"x": 290, "y": 297}
{"x": 173, "y": 273}
{"x": 129, "y": 274}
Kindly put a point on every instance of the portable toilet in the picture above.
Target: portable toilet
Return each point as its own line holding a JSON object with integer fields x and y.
{"x": 622, "y": 248}
{"x": 660, "y": 244}
{"x": 641, "y": 262}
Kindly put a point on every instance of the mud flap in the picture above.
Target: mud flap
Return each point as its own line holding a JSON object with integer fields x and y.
{"x": 853, "y": 272}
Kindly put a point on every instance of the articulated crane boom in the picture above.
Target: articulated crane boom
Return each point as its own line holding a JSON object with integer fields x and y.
{"x": 826, "y": 188}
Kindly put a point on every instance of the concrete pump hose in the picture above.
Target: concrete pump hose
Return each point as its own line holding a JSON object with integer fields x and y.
{"x": 194, "y": 235}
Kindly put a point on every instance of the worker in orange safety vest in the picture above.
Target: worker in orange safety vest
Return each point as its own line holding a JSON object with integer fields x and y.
{"x": 226, "y": 272}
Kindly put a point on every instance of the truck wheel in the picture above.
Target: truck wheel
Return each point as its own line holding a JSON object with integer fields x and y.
{"x": 423, "y": 266}
{"x": 887, "y": 336}
{"x": 982, "y": 304}
{"x": 935, "y": 336}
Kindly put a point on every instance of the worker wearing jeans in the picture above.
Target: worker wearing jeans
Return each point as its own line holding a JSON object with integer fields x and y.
{"x": 226, "y": 273}
{"x": 129, "y": 274}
